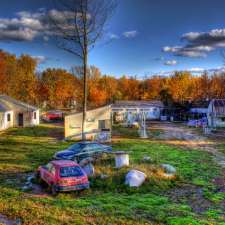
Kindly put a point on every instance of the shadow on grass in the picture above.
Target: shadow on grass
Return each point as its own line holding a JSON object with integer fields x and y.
{"x": 39, "y": 131}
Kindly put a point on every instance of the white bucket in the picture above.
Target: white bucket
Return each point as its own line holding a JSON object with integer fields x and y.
{"x": 121, "y": 159}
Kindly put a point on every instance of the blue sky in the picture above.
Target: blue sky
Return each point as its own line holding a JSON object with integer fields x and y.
{"x": 143, "y": 37}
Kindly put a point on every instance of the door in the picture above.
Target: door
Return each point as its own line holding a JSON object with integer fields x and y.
{"x": 20, "y": 119}
{"x": 49, "y": 174}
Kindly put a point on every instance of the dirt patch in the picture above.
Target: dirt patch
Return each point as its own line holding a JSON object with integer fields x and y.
{"x": 191, "y": 194}
{"x": 181, "y": 135}
{"x": 220, "y": 183}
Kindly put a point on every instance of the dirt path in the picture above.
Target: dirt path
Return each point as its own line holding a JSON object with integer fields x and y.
{"x": 181, "y": 135}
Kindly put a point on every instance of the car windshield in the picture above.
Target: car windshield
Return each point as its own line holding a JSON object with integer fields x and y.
{"x": 71, "y": 171}
{"x": 76, "y": 147}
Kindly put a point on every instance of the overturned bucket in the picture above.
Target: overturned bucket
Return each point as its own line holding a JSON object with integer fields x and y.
{"x": 121, "y": 159}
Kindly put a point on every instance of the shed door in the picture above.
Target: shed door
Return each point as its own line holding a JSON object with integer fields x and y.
{"x": 20, "y": 119}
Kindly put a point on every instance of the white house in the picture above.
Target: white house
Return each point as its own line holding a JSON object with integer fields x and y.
{"x": 123, "y": 110}
{"x": 14, "y": 113}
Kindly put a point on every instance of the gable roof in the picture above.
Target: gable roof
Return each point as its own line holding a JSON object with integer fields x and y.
{"x": 7, "y": 103}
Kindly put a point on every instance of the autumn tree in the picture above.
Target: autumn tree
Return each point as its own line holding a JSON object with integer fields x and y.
{"x": 58, "y": 88}
{"x": 78, "y": 26}
{"x": 26, "y": 86}
{"x": 3, "y": 77}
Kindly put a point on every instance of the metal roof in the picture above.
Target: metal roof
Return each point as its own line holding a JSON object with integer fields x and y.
{"x": 7, "y": 103}
{"x": 137, "y": 104}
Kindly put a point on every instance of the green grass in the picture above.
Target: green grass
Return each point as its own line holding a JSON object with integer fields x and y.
{"x": 109, "y": 201}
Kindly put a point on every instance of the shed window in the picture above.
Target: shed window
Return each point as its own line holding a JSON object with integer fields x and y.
{"x": 101, "y": 124}
{"x": 8, "y": 117}
{"x": 35, "y": 115}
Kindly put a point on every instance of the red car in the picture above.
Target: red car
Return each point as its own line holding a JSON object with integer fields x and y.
{"x": 63, "y": 175}
{"x": 52, "y": 116}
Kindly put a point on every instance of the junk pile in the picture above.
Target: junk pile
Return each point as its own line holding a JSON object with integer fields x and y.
{"x": 28, "y": 185}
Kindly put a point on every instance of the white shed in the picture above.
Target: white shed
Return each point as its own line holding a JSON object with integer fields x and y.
{"x": 14, "y": 113}
{"x": 216, "y": 113}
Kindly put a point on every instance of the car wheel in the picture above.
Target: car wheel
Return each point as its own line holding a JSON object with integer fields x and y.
{"x": 53, "y": 190}
{"x": 38, "y": 178}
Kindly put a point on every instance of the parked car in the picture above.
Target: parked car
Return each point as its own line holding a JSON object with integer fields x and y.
{"x": 82, "y": 150}
{"x": 54, "y": 115}
{"x": 63, "y": 175}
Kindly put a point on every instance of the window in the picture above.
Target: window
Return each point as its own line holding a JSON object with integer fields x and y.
{"x": 101, "y": 124}
{"x": 35, "y": 115}
{"x": 49, "y": 166}
{"x": 52, "y": 170}
{"x": 71, "y": 171}
{"x": 8, "y": 117}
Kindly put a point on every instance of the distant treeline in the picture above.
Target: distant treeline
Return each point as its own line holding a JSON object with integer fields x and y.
{"x": 58, "y": 88}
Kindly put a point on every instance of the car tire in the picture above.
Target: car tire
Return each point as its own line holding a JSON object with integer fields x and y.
{"x": 38, "y": 178}
{"x": 53, "y": 190}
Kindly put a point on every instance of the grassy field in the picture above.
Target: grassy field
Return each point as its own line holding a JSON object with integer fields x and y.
{"x": 194, "y": 196}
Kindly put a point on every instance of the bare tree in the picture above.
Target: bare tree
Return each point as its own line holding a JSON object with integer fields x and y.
{"x": 78, "y": 25}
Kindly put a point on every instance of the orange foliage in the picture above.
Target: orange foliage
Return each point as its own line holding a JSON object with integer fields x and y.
{"x": 57, "y": 88}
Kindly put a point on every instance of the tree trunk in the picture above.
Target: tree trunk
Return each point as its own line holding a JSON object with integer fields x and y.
{"x": 84, "y": 97}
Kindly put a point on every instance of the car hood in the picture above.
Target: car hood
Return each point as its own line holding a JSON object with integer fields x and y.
{"x": 106, "y": 147}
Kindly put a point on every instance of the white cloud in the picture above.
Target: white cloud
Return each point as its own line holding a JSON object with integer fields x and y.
{"x": 170, "y": 63}
{"x": 40, "y": 59}
{"x": 27, "y": 26}
{"x": 193, "y": 52}
{"x": 130, "y": 34}
{"x": 199, "y": 44}
{"x": 196, "y": 70}
{"x": 114, "y": 36}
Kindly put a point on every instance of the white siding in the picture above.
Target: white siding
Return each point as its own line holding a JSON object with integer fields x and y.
{"x": 4, "y": 123}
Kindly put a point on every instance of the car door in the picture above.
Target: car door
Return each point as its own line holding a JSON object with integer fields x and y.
{"x": 49, "y": 173}
{"x": 86, "y": 152}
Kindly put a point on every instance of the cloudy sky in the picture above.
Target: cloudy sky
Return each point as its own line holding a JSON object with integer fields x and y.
{"x": 143, "y": 36}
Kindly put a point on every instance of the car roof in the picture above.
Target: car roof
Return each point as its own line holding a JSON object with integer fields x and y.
{"x": 61, "y": 163}
{"x": 87, "y": 142}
